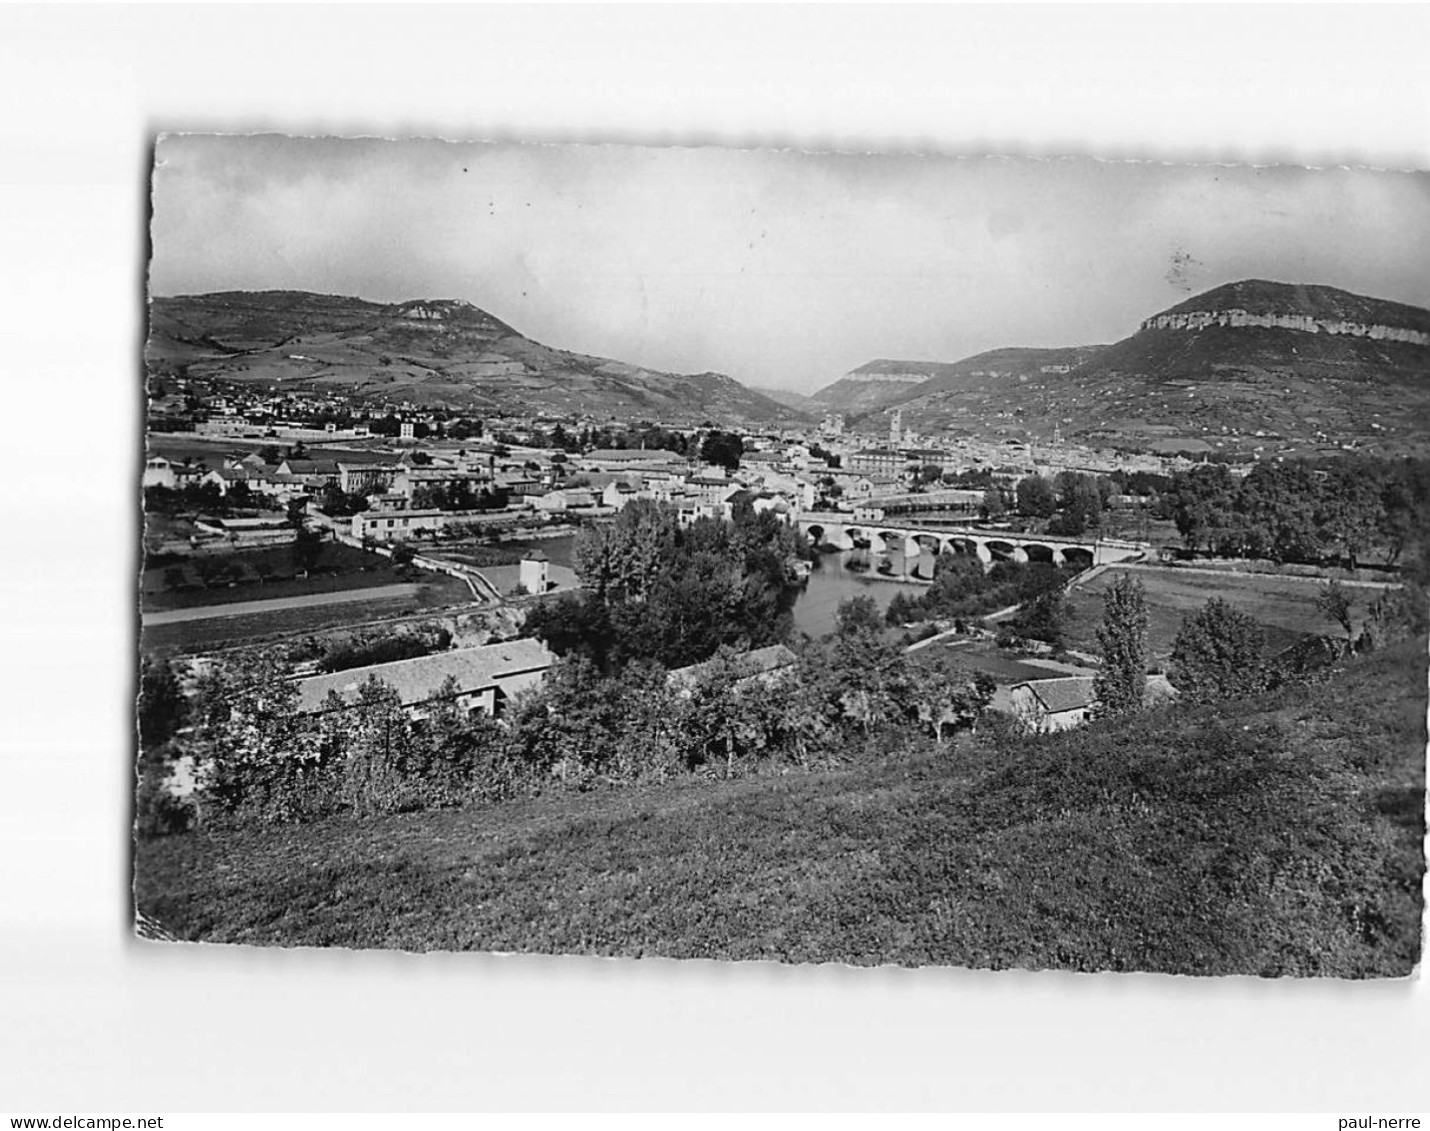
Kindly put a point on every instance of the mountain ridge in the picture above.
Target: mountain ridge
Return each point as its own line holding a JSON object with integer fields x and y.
{"x": 445, "y": 353}
{"x": 1246, "y": 367}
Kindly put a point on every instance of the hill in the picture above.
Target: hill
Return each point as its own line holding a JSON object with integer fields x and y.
{"x": 1274, "y": 367}
{"x": 434, "y": 352}
{"x": 788, "y": 397}
{"x": 876, "y": 383}
{"x": 1280, "y": 835}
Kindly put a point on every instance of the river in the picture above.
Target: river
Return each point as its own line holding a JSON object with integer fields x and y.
{"x": 831, "y": 581}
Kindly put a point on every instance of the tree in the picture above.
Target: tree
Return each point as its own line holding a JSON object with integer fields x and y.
{"x": 161, "y": 703}
{"x": 402, "y": 554}
{"x": 307, "y": 548}
{"x": 858, "y": 615}
{"x": 621, "y": 560}
{"x": 253, "y": 751}
{"x": 1218, "y": 654}
{"x": 1335, "y": 602}
{"x": 573, "y": 625}
{"x": 1044, "y": 618}
{"x": 1081, "y": 503}
{"x": 1121, "y": 682}
{"x": 994, "y": 506}
{"x": 1036, "y": 497}
{"x": 946, "y": 695}
{"x": 723, "y": 448}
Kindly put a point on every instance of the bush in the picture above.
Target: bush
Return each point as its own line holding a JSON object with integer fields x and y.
{"x": 157, "y": 812}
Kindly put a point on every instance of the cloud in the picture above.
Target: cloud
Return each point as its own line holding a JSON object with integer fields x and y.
{"x": 779, "y": 268}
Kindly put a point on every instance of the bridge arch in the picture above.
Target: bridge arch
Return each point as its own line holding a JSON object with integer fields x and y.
{"x": 1079, "y": 556}
{"x": 815, "y": 532}
{"x": 1037, "y": 552}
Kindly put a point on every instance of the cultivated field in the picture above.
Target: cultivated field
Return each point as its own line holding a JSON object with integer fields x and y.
{"x": 260, "y": 575}
{"x": 1285, "y": 606}
{"x": 429, "y": 591}
{"x": 1274, "y": 836}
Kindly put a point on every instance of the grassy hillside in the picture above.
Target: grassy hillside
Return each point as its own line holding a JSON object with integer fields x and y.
{"x": 1284, "y": 838}
{"x": 442, "y": 352}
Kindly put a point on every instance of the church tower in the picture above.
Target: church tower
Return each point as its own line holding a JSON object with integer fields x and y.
{"x": 896, "y": 428}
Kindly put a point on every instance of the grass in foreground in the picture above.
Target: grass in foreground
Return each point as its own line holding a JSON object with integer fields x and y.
{"x": 1284, "y": 838}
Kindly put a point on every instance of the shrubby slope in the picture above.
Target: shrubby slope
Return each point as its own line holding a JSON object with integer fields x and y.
{"x": 1280, "y": 835}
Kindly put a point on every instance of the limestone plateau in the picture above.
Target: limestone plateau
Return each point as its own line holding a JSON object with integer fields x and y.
{"x": 433, "y": 352}
{"x": 1250, "y": 366}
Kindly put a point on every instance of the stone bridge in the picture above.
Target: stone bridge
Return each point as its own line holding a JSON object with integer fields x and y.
{"x": 844, "y": 532}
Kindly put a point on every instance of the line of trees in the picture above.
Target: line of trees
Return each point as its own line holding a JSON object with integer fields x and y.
{"x": 961, "y": 588}
{"x": 1342, "y": 511}
{"x": 459, "y": 495}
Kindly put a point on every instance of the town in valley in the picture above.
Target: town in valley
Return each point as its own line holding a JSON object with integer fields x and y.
{"x": 1100, "y": 655}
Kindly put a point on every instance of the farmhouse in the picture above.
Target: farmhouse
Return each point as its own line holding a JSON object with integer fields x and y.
{"x": 1058, "y": 704}
{"x": 485, "y": 679}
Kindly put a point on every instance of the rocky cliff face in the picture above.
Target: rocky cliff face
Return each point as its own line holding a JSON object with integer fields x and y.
{"x": 885, "y": 378}
{"x": 1201, "y": 319}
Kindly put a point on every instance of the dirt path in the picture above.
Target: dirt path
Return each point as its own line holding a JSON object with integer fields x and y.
{"x": 245, "y": 608}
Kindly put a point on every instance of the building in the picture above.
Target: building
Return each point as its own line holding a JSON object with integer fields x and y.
{"x": 398, "y": 524}
{"x": 365, "y": 478}
{"x": 1047, "y": 705}
{"x": 485, "y": 679}
{"x": 158, "y": 472}
{"x": 567, "y": 498}
{"x": 762, "y": 665}
{"x": 885, "y": 461}
{"x": 533, "y": 572}
{"x": 628, "y": 459}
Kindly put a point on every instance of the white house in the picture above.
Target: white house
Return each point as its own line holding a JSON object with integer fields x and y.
{"x": 158, "y": 472}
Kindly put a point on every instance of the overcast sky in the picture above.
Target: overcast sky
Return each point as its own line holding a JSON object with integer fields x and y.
{"x": 780, "y": 268}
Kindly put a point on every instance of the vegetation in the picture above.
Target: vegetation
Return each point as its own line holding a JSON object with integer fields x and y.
{"x": 1218, "y": 655}
{"x": 674, "y": 596}
{"x": 259, "y": 759}
{"x": 205, "y": 499}
{"x": 1121, "y": 681}
{"x": 723, "y": 448}
{"x": 1284, "y": 607}
{"x": 384, "y": 648}
{"x": 1281, "y": 835}
{"x": 1301, "y": 512}
{"x": 961, "y": 588}
{"x": 1036, "y": 497}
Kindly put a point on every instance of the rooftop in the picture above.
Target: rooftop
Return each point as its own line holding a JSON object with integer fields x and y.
{"x": 418, "y": 680}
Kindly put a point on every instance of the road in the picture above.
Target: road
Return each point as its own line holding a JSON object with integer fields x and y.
{"x": 278, "y": 604}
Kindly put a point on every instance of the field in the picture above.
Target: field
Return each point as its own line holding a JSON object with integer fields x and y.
{"x": 429, "y": 591}
{"x": 1274, "y": 836}
{"x": 260, "y": 575}
{"x": 1285, "y": 606}
{"x": 986, "y": 657}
